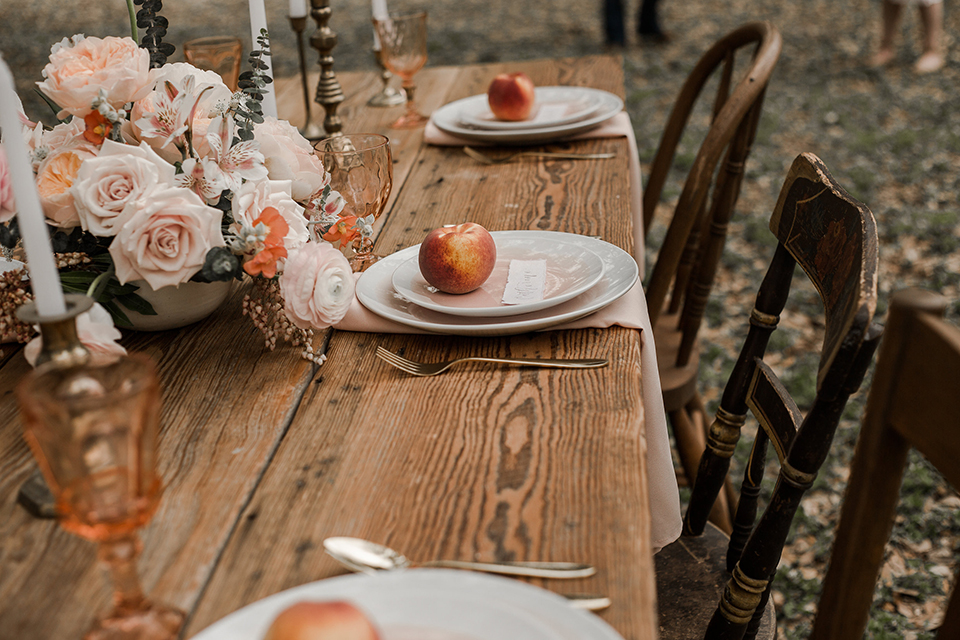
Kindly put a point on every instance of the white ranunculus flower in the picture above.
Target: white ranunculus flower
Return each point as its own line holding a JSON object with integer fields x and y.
{"x": 317, "y": 285}
{"x": 120, "y": 174}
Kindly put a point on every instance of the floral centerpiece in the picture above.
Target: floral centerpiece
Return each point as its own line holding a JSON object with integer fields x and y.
{"x": 157, "y": 174}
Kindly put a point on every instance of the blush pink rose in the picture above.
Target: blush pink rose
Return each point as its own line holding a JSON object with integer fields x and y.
{"x": 8, "y": 206}
{"x": 55, "y": 175}
{"x": 165, "y": 237}
{"x": 317, "y": 286}
{"x": 288, "y": 156}
{"x": 80, "y": 68}
{"x": 119, "y": 175}
{"x": 96, "y": 331}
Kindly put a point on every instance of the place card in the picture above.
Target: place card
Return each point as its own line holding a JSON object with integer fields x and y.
{"x": 525, "y": 281}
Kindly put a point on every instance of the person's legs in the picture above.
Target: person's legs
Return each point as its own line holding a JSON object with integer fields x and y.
{"x": 613, "y": 22}
{"x": 931, "y": 16}
{"x": 892, "y": 12}
{"x": 648, "y": 25}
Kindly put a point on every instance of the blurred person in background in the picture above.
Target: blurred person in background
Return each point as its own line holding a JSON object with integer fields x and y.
{"x": 648, "y": 24}
{"x": 931, "y": 18}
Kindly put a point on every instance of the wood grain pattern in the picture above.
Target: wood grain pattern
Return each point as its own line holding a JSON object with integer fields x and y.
{"x": 262, "y": 459}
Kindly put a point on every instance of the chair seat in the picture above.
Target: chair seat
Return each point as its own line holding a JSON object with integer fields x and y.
{"x": 679, "y": 384}
{"x": 691, "y": 575}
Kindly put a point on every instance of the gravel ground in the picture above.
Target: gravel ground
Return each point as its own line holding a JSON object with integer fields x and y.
{"x": 890, "y": 136}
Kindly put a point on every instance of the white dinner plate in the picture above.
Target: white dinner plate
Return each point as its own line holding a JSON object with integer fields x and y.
{"x": 447, "y": 118}
{"x": 572, "y": 268}
{"x": 375, "y": 291}
{"x": 553, "y": 106}
{"x": 430, "y": 604}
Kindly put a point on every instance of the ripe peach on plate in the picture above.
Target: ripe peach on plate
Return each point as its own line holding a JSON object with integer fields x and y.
{"x": 511, "y": 96}
{"x": 457, "y": 258}
{"x": 331, "y": 620}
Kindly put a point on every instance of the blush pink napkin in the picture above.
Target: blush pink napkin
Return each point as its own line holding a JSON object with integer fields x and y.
{"x": 629, "y": 311}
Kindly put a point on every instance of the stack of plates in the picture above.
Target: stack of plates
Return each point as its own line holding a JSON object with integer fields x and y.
{"x": 559, "y": 112}
{"x": 583, "y": 275}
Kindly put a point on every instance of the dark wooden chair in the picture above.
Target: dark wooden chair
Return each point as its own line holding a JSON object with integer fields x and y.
{"x": 834, "y": 240}
{"x": 691, "y": 250}
{"x": 913, "y": 402}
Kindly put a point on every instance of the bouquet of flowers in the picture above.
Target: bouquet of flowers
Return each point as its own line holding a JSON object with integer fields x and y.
{"x": 157, "y": 174}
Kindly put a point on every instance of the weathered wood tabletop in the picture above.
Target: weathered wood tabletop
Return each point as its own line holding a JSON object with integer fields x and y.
{"x": 263, "y": 456}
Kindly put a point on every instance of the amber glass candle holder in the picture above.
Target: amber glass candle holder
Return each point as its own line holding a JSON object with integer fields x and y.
{"x": 93, "y": 431}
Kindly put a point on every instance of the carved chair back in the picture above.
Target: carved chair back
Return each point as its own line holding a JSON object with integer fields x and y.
{"x": 913, "y": 402}
{"x": 834, "y": 240}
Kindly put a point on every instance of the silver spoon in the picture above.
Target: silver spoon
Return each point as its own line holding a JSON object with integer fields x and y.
{"x": 369, "y": 557}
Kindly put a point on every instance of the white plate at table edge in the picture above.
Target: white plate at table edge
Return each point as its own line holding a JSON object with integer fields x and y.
{"x": 409, "y": 283}
{"x": 447, "y": 117}
{"x": 409, "y": 599}
{"x": 475, "y": 106}
{"x": 375, "y": 291}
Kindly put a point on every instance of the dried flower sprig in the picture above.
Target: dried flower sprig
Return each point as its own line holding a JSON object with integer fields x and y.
{"x": 13, "y": 295}
{"x": 265, "y": 308}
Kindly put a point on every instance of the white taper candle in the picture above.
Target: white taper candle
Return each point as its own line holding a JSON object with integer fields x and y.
{"x": 379, "y": 10}
{"x": 258, "y": 21}
{"x": 44, "y": 278}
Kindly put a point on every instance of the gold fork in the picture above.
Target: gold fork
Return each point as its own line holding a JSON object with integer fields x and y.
{"x": 485, "y": 159}
{"x": 432, "y": 369}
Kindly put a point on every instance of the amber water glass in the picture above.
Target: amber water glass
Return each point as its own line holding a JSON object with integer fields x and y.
{"x": 93, "y": 431}
{"x": 403, "y": 50}
{"x": 361, "y": 170}
{"x": 216, "y": 53}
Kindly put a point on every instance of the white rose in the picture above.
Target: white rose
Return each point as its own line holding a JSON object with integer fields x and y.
{"x": 253, "y": 197}
{"x": 289, "y": 156}
{"x": 119, "y": 175}
{"x": 165, "y": 237}
{"x": 317, "y": 286}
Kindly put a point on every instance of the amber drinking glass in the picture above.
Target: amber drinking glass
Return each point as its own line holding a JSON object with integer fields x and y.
{"x": 361, "y": 170}
{"x": 93, "y": 431}
{"x": 403, "y": 49}
{"x": 216, "y": 53}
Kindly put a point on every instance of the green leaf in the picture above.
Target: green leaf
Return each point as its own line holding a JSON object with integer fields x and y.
{"x": 119, "y": 317}
{"x": 135, "y": 303}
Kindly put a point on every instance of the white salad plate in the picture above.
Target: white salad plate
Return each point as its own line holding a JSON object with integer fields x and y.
{"x": 553, "y": 106}
{"x": 375, "y": 291}
{"x": 447, "y": 118}
{"x": 571, "y": 268}
{"x": 430, "y": 604}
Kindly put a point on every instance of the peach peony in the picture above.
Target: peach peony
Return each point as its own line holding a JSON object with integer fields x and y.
{"x": 55, "y": 175}
{"x": 96, "y": 331}
{"x": 317, "y": 286}
{"x": 288, "y": 156}
{"x": 80, "y": 68}
{"x": 120, "y": 174}
{"x": 165, "y": 237}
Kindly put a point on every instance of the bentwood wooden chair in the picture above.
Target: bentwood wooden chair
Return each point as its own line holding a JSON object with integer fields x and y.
{"x": 913, "y": 402}
{"x": 693, "y": 245}
{"x": 834, "y": 240}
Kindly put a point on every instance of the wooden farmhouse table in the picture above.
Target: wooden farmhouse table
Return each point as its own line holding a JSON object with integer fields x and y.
{"x": 264, "y": 455}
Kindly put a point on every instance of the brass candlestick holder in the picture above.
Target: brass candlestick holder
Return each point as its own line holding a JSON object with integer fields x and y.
{"x": 61, "y": 348}
{"x": 329, "y": 94}
{"x": 388, "y": 96}
{"x": 310, "y": 130}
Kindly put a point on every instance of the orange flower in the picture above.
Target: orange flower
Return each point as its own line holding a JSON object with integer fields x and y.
{"x": 98, "y": 127}
{"x": 344, "y": 230}
{"x": 265, "y": 261}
